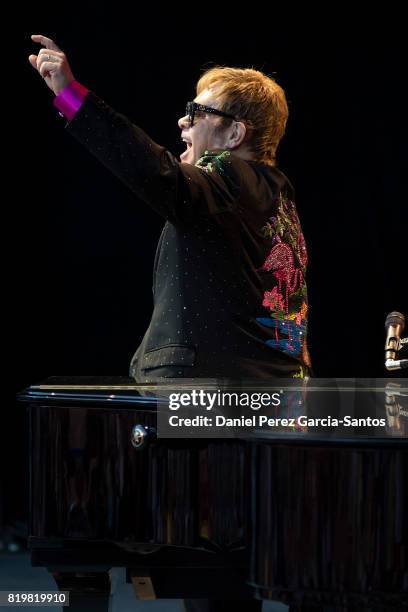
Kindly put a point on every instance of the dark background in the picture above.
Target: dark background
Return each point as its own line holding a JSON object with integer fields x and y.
{"x": 82, "y": 248}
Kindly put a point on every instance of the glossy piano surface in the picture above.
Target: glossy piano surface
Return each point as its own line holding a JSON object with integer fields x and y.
{"x": 330, "y": 526}
{"x": 89, "y": 481}
{"x": 320, "y": 522}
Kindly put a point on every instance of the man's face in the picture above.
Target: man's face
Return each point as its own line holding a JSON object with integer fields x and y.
{"x": 203, "y": 135}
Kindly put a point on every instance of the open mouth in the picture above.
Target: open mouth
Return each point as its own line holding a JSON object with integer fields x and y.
{"x": 188, "y": 147}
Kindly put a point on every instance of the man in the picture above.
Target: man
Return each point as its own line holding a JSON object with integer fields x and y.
{"x": 230, "y": 296}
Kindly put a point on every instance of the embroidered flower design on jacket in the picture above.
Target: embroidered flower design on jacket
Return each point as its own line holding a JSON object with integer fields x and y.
{"x": 210, "y": 161}
{"x": 285, "y": 267}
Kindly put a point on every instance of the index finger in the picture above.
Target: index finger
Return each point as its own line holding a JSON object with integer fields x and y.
{"x": 46, "y": 42}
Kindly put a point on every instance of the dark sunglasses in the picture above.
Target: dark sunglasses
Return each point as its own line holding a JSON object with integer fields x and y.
{"x": 193, "y": 107}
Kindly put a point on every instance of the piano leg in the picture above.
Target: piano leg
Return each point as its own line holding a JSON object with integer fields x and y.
{"x": 88, "y": 592}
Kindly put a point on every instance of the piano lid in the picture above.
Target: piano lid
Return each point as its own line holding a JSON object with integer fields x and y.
{"x": 119, "y": 389}
{"x": 319, "y": 409}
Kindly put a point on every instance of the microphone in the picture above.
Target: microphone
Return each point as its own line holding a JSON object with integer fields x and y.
{"x": 394, "y": 326}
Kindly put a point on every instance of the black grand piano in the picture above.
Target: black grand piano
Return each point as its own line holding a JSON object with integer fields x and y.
{"x": 309, "y": 516}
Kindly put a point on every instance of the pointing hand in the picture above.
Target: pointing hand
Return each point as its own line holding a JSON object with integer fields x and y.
{"x": 51, "y": 63}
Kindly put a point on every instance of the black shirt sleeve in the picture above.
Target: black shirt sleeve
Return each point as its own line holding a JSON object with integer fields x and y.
{"x": 181, "y": 193}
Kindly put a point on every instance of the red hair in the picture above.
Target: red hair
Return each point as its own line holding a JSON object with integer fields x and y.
{"x": 254, "y": 98}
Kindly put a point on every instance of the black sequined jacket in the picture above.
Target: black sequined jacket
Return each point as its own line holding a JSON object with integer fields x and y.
{"x": 229, "y": 287}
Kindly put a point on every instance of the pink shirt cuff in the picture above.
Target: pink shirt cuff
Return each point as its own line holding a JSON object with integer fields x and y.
{"x": 70, "y": 99}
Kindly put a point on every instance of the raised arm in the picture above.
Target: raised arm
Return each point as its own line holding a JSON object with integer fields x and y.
{"x": 182, "y": 193}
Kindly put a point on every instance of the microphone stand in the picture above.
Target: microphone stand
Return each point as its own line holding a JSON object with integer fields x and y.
{"x": 398, "y": 364}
